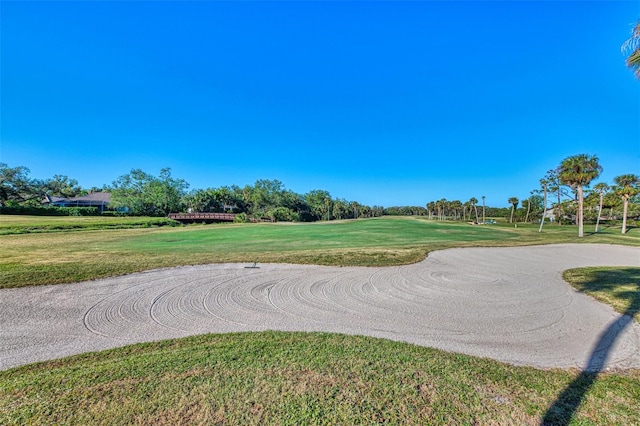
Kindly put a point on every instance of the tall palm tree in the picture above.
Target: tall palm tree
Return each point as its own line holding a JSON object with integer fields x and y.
{"x": 627, "y": 187}
{"x": 430, "y": 208}
{"x": 633, "y": 45}
{"x": 354, "y": 207}
{"x": 601, "y": 189}
{"x": 526, "y": 219}
{"x": 514, "y": 203}
{"x": 473, "y": 201}
{"x": 484, "y": 220}
{"x": 578, "y": 171}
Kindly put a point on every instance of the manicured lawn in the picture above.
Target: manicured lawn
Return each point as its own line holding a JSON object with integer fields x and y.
{"x": 59, "y": 257}
{"x": 297, "y": 378}
{"x": 300, "y": 378}
{"x": 618, "y": 287}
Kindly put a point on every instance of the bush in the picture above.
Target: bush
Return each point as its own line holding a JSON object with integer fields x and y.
{"x": 241, "y": 218}
{"x": 81, "y": 211}
{"x": 50, "y": 211}
{"x": 32, "y": 211}
{"x": 283, "y": 214}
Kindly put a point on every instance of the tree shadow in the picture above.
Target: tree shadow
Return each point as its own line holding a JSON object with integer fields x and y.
{"x": 565, "y": 406}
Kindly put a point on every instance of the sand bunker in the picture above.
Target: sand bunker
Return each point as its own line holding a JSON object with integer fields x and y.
{"x": 509, "y": 304}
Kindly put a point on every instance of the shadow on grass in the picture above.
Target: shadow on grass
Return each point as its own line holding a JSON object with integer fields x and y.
{"x": 565, "y": 406}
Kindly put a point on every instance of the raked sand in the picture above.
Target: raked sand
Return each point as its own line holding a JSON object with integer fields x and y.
{"x": 509, "y": 304}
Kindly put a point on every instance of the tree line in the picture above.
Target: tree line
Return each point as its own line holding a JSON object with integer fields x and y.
{"x": 564, "y": 195}
{"x": 141, "y": 193}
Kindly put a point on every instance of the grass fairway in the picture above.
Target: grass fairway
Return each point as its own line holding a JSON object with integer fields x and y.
{"x": 61, "y": 257}
{"x": 296, "y": 378}
{"x": 300, "y": 378}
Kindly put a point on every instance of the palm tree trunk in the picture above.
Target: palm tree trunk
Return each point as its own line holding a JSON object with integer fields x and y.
{"x": 511, "y": 218}
{"x": 580, "y": 212}
{"x": 625, "y": 206}
{"x": 599, "y": 211}
{"x": 526, "y": 219}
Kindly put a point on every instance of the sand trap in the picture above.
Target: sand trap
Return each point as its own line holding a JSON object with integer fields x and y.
{"x": 509, "y": 304}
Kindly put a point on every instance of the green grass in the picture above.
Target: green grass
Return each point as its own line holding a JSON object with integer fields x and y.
{"x": 61, "y": 257}
{"x": 618, "y": 287}
{"x": 297, "y": 378}
{"x": 18, "y": 224}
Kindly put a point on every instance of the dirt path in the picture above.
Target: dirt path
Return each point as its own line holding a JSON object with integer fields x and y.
{"x": 509, "y": 304}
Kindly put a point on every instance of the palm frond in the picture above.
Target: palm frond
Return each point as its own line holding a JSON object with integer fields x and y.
{"x": 633, "y": 45}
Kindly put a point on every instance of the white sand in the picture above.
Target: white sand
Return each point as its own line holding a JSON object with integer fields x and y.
{"x": 509, "y": 304}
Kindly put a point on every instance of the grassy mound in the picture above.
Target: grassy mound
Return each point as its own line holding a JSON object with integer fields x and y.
{"x": 297, "y": 378}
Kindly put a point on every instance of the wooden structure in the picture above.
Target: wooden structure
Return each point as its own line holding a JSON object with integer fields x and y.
{"x": 202, "y": 217}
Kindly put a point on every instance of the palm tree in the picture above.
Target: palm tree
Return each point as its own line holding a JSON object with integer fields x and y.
{"x": 577, "y": 172}
{"x": 514, "y": 203}
{"x": 327, "y": 204}
{"x": 484, "y": 220}
{"x": 430, "y": 208}
{"x": 627, "y": 187}
{"x": 601, "y": 189}
{"x": 354, "y": 207}
{"x": 526, "y": 219}
{"x": 473, "y": 201}
{"x": 633, "y": 45}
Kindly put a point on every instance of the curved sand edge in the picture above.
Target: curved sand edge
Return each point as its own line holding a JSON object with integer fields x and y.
{"x": 505, "y": 303}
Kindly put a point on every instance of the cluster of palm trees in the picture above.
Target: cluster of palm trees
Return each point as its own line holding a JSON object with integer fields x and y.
{"x": 577, "y": 172}
{"x": 567, "y": 185}
{"x": 444, "y": 209}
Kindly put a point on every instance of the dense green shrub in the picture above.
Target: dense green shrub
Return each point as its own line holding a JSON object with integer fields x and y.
{"x": 241, "y": 218}
{"x": 283, "y": 214}
{"x": 50, "y": 211}
{"x": 32, "y": 211}
{"x": 81, "y": 211}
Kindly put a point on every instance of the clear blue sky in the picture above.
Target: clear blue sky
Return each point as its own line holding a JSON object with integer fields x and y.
{"x": 385, "y": 103}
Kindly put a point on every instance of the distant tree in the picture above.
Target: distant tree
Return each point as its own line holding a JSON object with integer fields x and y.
{"x": 632, "y": 45}
{"x": 528, "y": 201}
{"x": 578, "y": 171}
{"x": 340, "y": 209}
{"x": 484, "y": 220}
{"x": 456, "y": 209}
{"x": 16, "y": 186}
{"x": 473, "y": 202}
{"x": 514, "y": 204}
{"x": 61, "y": 186}
{"x": 601, "y": 189}
{"x": 201, "y": 200}
{"x": 626, "y": 187}
{"x": 554, "y": 186}
{"x": 143, "y": 194}
{"x": 354, "y": 206}
{"x": 316, "y": 200}
{"x": 328, "y": 203}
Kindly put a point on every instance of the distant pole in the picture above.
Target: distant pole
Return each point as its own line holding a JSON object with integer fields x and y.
{"x": 483, "y": 219}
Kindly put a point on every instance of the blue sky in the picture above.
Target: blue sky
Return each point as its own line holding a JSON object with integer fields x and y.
{"x": 385, "y": 103}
